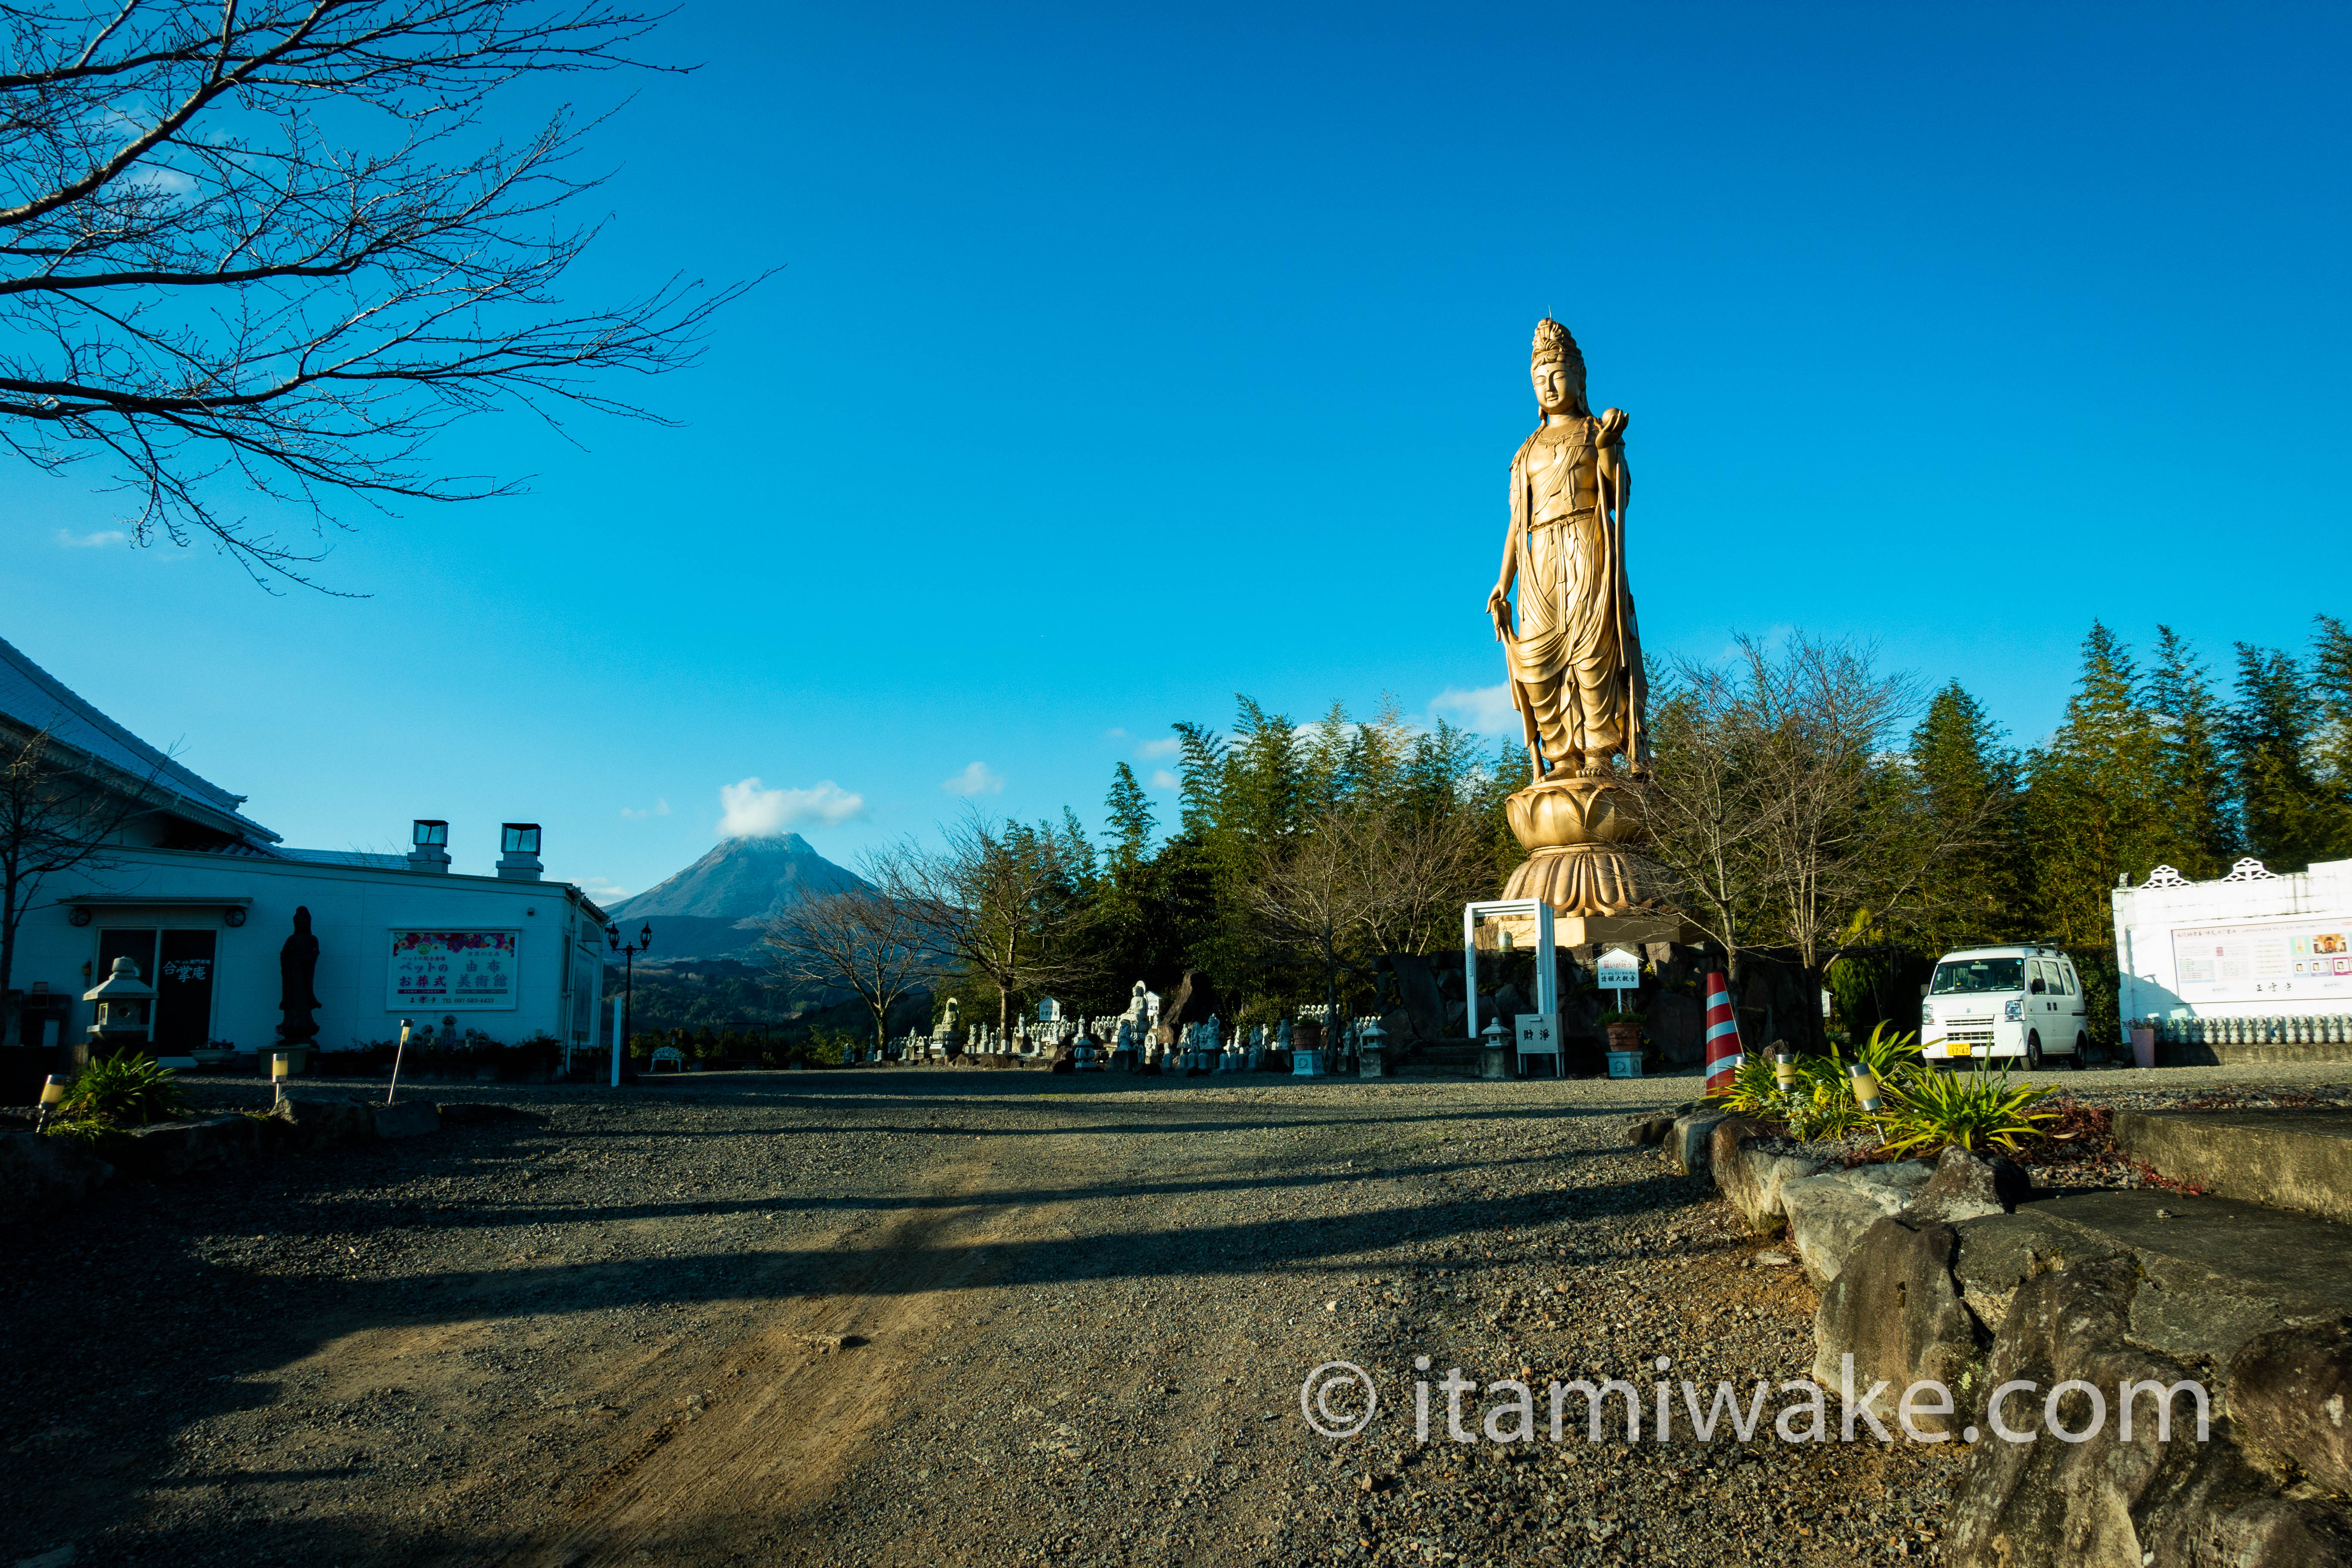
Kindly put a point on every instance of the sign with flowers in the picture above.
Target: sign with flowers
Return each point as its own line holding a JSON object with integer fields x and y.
{"x": 453, "y": 969}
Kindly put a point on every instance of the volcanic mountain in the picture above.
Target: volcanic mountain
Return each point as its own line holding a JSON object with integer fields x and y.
{"x": 714, "y": 907}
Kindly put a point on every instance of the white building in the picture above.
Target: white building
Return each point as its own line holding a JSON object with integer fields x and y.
{"x": 2250, "y": 945}
{"x": 202, "y": 899}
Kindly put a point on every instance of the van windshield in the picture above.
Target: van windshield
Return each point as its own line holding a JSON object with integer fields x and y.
{"x": 1979, "y": 974}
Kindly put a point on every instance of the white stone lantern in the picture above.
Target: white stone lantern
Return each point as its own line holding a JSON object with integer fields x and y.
{"x": 125, "y": 1007}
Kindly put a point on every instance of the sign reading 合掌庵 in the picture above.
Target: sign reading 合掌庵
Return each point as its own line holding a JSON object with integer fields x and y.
{"x": 453, "y": 968}
{"x": 2297, "y": 957}
{"x": 1618, "y": 971}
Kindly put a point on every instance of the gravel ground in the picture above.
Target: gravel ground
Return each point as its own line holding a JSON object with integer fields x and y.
{"x": 929, "y": 1316}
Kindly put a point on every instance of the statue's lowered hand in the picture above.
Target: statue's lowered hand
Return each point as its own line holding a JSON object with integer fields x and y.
{"x": 1498, "y": 609}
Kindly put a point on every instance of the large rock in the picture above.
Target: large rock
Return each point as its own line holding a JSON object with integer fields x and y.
{"x": 2291, "y": 1158}
{"x": 1424, "y": 1003}
{"x": 1969, "y": 1186}
{"x": 1193, "y": 1001}
{"x": 2214, "y": 1274}
{"x": 313, "y": 1121}
{"x": 2001, "y": 1252}
{"x": 1751, "y": 1176}
{"x": 2291, "y": 1401}
{"x": 1689, "y": 1140}
{"x": 410, "y": 1121}
{"x": 176, "y": 1148}
{"x": 38, "y": 1173}
{"x": 1895, "y": 1309}
{"x": 1829, "y": 1213}
{"x": 2109, "y": 1501}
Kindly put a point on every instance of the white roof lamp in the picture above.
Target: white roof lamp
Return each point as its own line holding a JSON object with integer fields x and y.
{"x": 519, "y": 852}
{"x": 430, "y": 836}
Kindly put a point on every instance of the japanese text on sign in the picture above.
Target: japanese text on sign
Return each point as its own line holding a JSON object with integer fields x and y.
{"x": 453, "y": 968}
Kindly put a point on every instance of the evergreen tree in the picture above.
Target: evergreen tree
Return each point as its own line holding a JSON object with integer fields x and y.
{"x": 2094, "y": 806}
{"x": 2198, "y": 835}
{"x": 2331, "y": 744}
{"x": 1967, "y": 782}
{"x": 2290, "y": 817}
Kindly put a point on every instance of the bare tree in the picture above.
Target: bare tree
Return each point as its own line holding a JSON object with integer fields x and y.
{"x": 1704, "y": 808}
{"x": 873, "y": 941}
{"x": 1838, "y": 831}
{"x": 1783, "y": 807}
{"x": 1321, "y": 893}
{"x": 58, "y": 812}
{"x": 1423, "y": 867}
{"x": 1010, "y": 902}
{"x": 271, "y": 245}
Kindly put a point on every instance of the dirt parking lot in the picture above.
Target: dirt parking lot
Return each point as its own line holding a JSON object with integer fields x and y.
{"x": 923, "y": 1316}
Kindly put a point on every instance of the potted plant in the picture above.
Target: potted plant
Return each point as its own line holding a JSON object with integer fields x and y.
{"x": 1623, "y": 1029}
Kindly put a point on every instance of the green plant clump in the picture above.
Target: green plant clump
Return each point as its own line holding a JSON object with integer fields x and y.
{"x": 1975, "y": 1111}
{"x": 126, "y": 1089}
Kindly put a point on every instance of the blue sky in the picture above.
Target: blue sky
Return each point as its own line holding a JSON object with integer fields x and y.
{"x": 1123, "y": 363}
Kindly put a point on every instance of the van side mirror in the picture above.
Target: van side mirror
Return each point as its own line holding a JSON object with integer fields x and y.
{"x": 2035, "y": 987}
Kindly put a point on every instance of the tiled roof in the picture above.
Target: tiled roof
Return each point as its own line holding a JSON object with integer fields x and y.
{"x": 342, "y": 857}
{"x": 32, "y": 696}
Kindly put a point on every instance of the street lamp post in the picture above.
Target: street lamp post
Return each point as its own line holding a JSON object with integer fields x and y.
{"x": 628, "y": 987}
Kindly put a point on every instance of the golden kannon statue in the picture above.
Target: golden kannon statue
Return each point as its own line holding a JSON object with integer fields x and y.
{"x": 1574, "y": 655}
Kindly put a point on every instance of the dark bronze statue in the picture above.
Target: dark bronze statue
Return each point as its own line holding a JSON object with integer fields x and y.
{"x": 298, "y": 970}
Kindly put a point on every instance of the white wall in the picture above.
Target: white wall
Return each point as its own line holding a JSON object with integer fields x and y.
{"x": 2239, "y": 946}
{"x": 353, "y": 909}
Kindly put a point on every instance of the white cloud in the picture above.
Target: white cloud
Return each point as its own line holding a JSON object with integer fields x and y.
{"x": 1482, "y": 710}
{"x": 638, "y": 813}
{"x": 1114, "y": 733}
{"x": 98, "y": 540}
{"x": 599, "y": 890}
{"x": 1162, "y": 779}
{"x": 974, "y": 780}
{"x": 753, "y": 811}
{"x": 1166, "y": 748}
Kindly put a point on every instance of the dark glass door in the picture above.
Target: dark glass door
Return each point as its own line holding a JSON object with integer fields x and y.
{"x": 183, "y": 992}
{"x": 138, "y": 946}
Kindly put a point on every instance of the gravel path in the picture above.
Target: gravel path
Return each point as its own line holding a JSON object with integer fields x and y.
{"x": 929, "y": 1315}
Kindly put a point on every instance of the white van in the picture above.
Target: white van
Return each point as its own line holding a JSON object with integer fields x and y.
{"x": 2004, "y": 1001}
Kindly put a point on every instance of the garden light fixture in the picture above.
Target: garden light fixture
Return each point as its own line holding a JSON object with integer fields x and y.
{"x": 53, "y": 1094}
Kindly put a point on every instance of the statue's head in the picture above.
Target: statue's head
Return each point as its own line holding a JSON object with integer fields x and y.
{"x": 1557, "y": 370}
{"x": 302, "y": 918}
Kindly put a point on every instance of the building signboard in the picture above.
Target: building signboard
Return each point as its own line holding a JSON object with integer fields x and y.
{"x": 2287, "y": 959}
{"x": 453, "y": 969}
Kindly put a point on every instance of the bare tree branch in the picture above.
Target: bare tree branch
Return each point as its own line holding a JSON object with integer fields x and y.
{"x": 197, "y": 283}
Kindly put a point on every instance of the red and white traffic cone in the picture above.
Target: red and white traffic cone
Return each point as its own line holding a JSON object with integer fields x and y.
{"x": 1723, "y": 1053}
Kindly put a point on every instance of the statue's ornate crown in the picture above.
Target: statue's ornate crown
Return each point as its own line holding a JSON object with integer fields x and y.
{"x": 1553, "y": 344}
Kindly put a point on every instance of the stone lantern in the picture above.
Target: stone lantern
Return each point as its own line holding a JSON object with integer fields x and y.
{"x": 125, "y": 1007}
{"x": 1495, "y": 1057}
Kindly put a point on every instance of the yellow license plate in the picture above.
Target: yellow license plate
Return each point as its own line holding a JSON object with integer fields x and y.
{"x": 1956, "y": 1049}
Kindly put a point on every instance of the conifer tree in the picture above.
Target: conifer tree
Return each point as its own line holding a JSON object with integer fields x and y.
{"x": 2200, "y": 830}
{"x": 2331, "y": 743}
{"x": 1966, "y": 781}
{"x": 2095, "y": 797}
{"x": 2290, "y": 818}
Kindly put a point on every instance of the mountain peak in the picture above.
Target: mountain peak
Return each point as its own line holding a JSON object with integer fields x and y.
{"x": 716, "y": 903}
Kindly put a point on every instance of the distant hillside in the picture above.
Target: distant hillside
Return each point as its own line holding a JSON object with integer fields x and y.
{"x": 714, "y": 907}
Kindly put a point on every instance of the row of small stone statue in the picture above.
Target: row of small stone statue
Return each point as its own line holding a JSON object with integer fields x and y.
{"x": 2300, "y": 1029}
{"x": 1119, "y": 1045}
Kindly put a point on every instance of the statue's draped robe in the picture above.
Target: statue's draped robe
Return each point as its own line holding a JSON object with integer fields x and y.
{"x": 1576, "y": 659}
